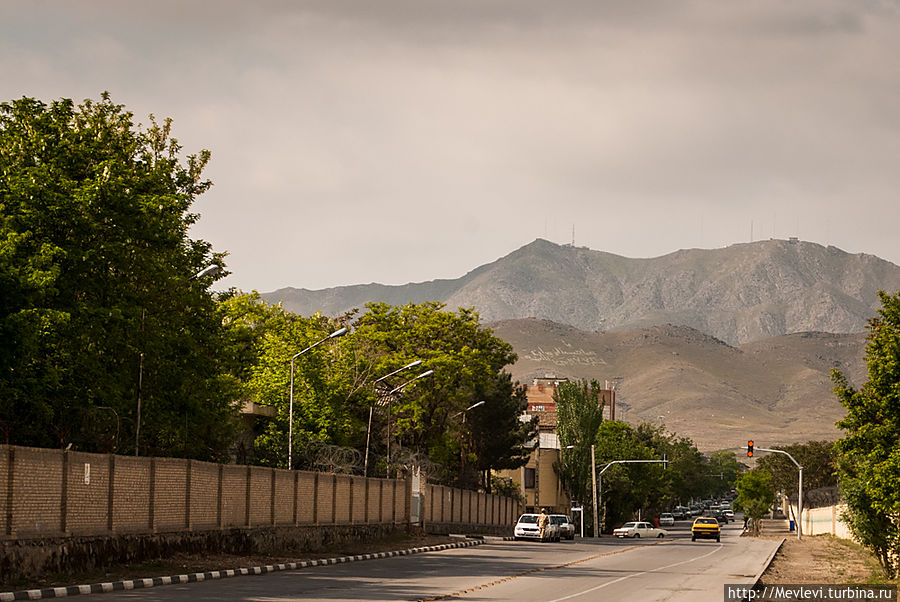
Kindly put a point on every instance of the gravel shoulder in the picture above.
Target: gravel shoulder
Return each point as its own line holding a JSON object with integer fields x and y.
{"x": 822, "y": 559}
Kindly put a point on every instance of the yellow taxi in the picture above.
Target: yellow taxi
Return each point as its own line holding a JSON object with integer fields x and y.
{"x": 705, "y": 527}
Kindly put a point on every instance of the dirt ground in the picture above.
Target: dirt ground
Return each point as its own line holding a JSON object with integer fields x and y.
{"x": 183, "y": 564}
{"x": 822, "y": 559}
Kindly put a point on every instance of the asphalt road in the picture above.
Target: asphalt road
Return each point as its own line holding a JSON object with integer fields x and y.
{"x": 673, "y": 568}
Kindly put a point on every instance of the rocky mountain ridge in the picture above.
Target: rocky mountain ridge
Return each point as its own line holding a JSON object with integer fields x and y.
{"x": 740, "y": 293}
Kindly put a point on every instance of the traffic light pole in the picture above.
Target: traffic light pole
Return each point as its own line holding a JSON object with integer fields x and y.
{"x": 750, "y": 449}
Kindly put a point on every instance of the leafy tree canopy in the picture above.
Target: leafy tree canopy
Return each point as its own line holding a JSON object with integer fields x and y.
{"x": 869, "y": 464}
{"x": 99, "y": 295}
{"x": 335, "y": 391}
{"x": 755, "y": 494}
{"x": 817, "y": 459}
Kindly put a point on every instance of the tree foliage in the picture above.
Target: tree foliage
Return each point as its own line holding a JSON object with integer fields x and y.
{"x": 817, "y": 459}
{"x": 869, "y": 465}
{"x": 334, "y": 391}
{"x": 578, "y": 419}
{"x": 755, "y": 495}
{"x": 98, "y": 294}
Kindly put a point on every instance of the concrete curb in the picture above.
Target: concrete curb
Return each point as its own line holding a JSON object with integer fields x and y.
{"x": 118, "y": 586}
{"x": 767, "y": 563}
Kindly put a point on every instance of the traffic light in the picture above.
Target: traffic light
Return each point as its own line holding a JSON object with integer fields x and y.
{"x": 750, "y": 449}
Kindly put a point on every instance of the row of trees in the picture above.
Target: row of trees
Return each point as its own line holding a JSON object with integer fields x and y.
{"x": 688, "y": 474}
{"x": 112, "y": 341}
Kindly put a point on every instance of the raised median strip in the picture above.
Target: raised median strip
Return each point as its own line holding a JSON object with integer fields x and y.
{"x": 114, "y": 586}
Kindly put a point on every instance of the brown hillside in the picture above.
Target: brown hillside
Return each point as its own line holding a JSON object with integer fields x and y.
{"x": 776, "y": 390}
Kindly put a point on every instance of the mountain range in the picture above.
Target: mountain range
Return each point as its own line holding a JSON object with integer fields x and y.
{"x": 740, "y": 293}
{"x": 720, "y": 345}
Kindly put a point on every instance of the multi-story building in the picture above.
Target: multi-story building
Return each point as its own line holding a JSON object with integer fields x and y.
{"x": 538, "y": 482}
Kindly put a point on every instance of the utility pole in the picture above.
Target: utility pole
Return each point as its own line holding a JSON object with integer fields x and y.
{"x": 594, "y": 487}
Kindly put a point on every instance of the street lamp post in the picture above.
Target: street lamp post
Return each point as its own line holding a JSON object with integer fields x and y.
{"x": 372, "y": 406}
{"x": 212, "y": 270}
{"x": 462, "y": 449}
{"x": 392, "y": 392}
{"x": 333, "y": 335}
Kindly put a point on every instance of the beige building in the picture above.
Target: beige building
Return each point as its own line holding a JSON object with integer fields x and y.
{"x": 538, "y": 481}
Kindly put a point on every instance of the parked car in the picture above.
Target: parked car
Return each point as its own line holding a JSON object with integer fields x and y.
{"x": 639, "y": 529}
{"x": 705, "y": 527}
{"x": 565, "y": 525}
{"x": 679, "y": 512}
{"x": 527, "y": 528}
{"x": 666, "y": 519}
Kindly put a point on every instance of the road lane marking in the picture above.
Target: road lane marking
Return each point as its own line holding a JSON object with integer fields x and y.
{"x": 530, "y": 572}
{"x": 662, "y": 568}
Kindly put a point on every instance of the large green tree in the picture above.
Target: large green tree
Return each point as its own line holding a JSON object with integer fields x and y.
{"x": 424, "y": 417}
{"x": 579, "y": 415}
{"x": 99, "y": 305}
{"x": 869, "y": 461}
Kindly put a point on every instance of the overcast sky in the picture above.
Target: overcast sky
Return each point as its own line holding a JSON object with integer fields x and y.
{"x": 400, "y": 141}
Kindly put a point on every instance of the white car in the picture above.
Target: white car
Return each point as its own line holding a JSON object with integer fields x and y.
{"x": 527, "y": 528}
{"x": 638, "y": 529}
{"x": 666, "y": 519}
{"x": 565, "y": 524}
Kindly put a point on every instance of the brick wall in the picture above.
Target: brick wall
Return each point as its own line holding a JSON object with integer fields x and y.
{"x": 54, "y": 493}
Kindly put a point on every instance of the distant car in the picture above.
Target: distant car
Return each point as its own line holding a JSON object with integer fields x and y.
{"x": 527, "y": 528}
{"x": 729, "y": 513}
{"x": 565, "y": 525}
{"x": 679, "y": 512}
{"x": 639, "y": 529}
{"x": 719, "y": 515}
{"x": 666, "y": 519}
{"x": 705, "y": 527}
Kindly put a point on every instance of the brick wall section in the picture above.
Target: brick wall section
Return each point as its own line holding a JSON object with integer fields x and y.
{"x": 306, "y": 498}
{"x": 204, "y": 502}
{"x": 401, "y": 499}
{"x": 260, "y": 494}
{"x": 87, "y": 493}
{"x": 169, "y": 486}
{"x": 37, "y": 487}
{"x": 5, "y": 504}
{"x": 342, "y": 499}
{"x": 234, "y": 496}
{"x": 359, "y": 499}
{"x": 375, "y": 507}
{"x": 284, "y": 497}
{"x": 131, "y": 495}
{"x": 103, "y": 495}
{"x": 324, "y": 499}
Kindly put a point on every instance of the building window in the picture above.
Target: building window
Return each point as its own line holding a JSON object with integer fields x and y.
{"x": 529, "y": 478}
